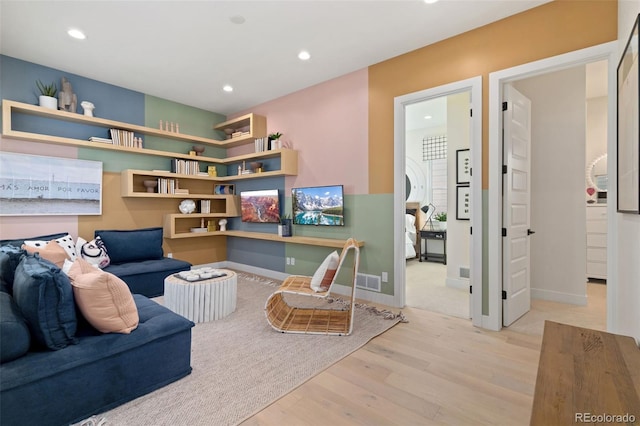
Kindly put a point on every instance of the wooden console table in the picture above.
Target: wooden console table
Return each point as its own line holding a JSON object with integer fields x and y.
{"x": 586, "y": 375}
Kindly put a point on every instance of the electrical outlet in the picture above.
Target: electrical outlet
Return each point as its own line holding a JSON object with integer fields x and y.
{"x": 385, "y": 277}
{"x": 170, "y": 255}
{"x": 293, "y": 261}
{"x": 288, "y": 261}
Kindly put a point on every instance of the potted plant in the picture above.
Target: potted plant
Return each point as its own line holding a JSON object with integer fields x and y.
{"x": 47, "y": 98}
{"x": 284, "y": 229}
{"x": 274, "y": 138}
{"x": 441, "y": 218}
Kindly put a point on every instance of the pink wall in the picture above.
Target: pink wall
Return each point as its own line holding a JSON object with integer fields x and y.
{"x": 328, "y": 125}
{"x": 31, "y": 226}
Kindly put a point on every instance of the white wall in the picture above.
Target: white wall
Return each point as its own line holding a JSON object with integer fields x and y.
{"x": 458, "y": 237}
{"x": 558, "y": 216}
{"x": 625, "y": 317}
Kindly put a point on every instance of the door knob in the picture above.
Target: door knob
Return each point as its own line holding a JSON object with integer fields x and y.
{"x": 529, "y": 232}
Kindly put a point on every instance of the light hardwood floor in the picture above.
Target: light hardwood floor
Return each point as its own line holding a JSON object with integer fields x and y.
{"x": 434, "y": 370}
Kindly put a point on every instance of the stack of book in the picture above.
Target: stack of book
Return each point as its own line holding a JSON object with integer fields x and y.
{"x": 123, "y": 138}
{"x": 185, "y": 167}
{"x": 166, "y": 186}
{"x": 262, "y": 144}
{"x": 101, "y": 140}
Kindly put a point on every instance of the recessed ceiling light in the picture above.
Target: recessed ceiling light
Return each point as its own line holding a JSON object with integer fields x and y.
{"x": 237, "y": 19}
{"x": 76, "y": 33}
{"x": 427, "y": 117}
{"x": 430, "y": 1}
{"x": 227, "y": 88}
{"x": 304, "y": 55}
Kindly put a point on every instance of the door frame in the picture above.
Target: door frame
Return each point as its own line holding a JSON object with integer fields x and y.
{"x": 605, "y": 51}
{"x": 474, "y": 86}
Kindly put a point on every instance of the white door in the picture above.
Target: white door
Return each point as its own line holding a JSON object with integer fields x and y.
{"x": 516, "y": 284}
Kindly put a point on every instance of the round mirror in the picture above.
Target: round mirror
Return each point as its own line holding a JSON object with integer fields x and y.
{"x": 597, "y": 174}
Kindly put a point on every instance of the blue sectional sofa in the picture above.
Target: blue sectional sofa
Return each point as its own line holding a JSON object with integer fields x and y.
{"x": 137, "y": 258}
{"x": 55, "y": 367}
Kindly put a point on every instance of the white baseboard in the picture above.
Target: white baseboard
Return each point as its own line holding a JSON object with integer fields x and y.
{"x": 459, "y": 283}
{"x": 343, "y": 290}
{"x": 555, "y": 296}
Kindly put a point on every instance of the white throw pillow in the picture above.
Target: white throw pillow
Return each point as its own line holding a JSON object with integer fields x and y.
{"x": 93, "y": 252}
{"x": 65, "y": 242}
{"x": 321, "y": 279}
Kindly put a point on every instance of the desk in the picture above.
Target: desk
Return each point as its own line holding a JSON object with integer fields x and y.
{"x": 585, "y": 372}
{"x": 427, "y": 235}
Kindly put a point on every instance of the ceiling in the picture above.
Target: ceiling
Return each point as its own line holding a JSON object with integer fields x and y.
{"x": 185, "y": 51}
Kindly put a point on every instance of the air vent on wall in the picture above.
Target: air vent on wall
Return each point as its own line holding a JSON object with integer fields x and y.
{"x": 368, "y": 282}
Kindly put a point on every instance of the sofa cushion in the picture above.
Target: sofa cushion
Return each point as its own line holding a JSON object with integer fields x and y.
{"x": 132, "y": 245}
{"x": 10, "y": 257}
{"x": 20, "y": 241}
{"x": 52, "y": 251}
{"x": 147, "y": 276}
{"x": 104, "y": 299}
{"x": 93, "y": 251}
{"x": 65, "y": 242}
{"x": 14, "y": 333}
{"x": 45, "y": 298}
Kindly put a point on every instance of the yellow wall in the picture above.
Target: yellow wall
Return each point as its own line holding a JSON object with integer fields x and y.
{"x": 133, "y": 213}
{"x": 548, "y": 30}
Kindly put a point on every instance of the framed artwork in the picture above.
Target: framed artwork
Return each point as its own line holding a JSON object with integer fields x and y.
{"x": 32, "y": 185}
{"x": 628, "y": 161}
{"x": 463, "y": 166}
{"x": 463, "y": 202}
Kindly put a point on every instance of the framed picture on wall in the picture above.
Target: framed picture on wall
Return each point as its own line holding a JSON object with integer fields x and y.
{"x": 628, "y": 161}
{"x": 463, "y": 166}
{"x": 463, "y": 202}
{"x": 33, "y": 185}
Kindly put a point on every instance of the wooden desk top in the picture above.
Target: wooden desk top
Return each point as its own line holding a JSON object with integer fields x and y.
{"x": 586, "y": 373}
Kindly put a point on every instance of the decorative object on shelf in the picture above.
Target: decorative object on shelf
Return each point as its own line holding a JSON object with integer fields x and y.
{"x": 590, "y": 192}
{"x": 224, "y": 189}
{"x": 256, "y": 166}
{"x": 199, "y": 149}
{"x": 198, "y": 229}
{"x": 229, "y": 132}
{"x": 211, "y": 225}
{"x": 67, "y": 100}
{"x": 187, "y": 206}
{"x": 170, "y": 127}
{"x": 223, "y": 224}
{"x": 274, "y": 140}
{"x": 88, "y": 108}
{"x": 151, "y": 185}
{"x": 284, "y": 229}
{"x": 47, "y": 98}
{"x": 212, "y": 171}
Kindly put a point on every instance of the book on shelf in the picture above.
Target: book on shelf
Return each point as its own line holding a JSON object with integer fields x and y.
{"x": 123, "y": 138}
{"x": 185, "y": 167}
{"x": 166, "y": 186}
{"x": 101, "y": 140}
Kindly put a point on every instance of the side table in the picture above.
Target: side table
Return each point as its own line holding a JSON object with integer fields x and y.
{"x": 431, "y": 256}
{"x": 200, "y": 301}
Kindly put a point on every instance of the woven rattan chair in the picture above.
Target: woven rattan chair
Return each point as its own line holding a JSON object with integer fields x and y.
{"x": 309, "y": 320}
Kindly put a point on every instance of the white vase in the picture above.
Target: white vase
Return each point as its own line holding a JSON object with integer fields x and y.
{"x": 48, "y": 102}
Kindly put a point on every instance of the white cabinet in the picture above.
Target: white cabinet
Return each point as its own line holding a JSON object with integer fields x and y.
{"x": 597, "y": 241}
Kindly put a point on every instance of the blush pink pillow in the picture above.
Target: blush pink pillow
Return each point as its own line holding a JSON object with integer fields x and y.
{"x": 104, "y": 299}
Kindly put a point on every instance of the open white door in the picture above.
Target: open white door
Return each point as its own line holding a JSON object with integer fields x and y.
{"x": 516, "y": 284}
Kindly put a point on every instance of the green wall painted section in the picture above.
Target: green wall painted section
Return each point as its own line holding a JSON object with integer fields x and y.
{"x": 362, "y": 225}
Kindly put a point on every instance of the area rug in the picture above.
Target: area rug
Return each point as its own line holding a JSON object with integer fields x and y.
{"x": 241, "y": 365}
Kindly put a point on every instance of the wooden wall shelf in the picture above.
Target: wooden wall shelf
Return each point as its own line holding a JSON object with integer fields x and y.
{"x": 311, "y": 241}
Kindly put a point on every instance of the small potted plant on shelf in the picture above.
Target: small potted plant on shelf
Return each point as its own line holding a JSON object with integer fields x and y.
{"x": 284, "y": 229}
{"x": 47, "y": 98}
{"x": 274, "y": 139}
{"x": 441, "y": 218}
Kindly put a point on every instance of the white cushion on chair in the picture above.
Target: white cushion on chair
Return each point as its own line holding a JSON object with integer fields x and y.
{"x": 323, "y": 276}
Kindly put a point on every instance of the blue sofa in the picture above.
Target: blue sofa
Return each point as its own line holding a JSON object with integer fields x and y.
{"x": 137, "y": 258}
{"x": 56, "y": 368}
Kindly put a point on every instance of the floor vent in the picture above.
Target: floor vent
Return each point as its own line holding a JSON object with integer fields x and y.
{"x": 368, "y": 282}
{"x": 464, "y": 272}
